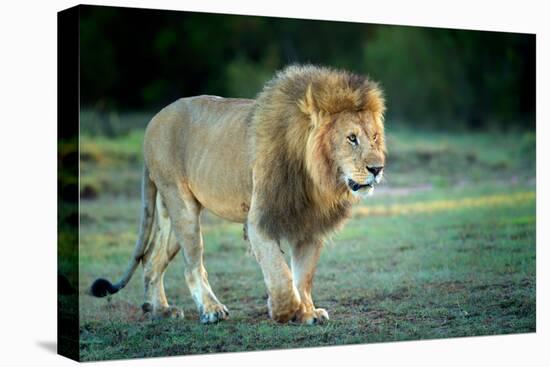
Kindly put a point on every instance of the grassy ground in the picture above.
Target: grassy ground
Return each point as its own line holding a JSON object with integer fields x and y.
{"x": 446, "y": 248}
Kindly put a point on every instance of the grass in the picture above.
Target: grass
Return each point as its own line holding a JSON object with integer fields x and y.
{"x": 420, "y": 260}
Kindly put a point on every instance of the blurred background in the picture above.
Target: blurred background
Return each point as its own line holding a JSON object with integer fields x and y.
{"x": 136, "y": 59}
{"x": 446, "y": 246}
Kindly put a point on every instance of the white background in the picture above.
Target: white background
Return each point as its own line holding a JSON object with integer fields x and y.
{"x": 28, "y": 181}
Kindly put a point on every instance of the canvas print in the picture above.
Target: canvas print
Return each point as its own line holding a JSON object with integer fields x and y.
{"x": 235, "y": 183}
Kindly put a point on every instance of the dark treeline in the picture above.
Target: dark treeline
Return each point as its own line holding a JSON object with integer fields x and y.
{"x": 134, "y": 59}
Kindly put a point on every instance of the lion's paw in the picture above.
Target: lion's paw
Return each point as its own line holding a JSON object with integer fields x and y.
{"x": 214, "y": 313}
{"x": 170, "y": 312}
{"x": 283, "y": 310}
{"x": 316, "y": 316}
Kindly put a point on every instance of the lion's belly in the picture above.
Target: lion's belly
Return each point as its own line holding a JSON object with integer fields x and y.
{"x": 223, "y": 185}
{"x": 233, "y": 208}
{"x": 219, "y": 172}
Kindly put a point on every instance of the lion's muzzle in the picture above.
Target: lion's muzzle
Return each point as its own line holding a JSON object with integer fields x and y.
{"x": 355, "y": 186}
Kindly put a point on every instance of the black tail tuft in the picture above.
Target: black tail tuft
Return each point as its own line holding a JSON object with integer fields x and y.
{"x": 102, "y": 287}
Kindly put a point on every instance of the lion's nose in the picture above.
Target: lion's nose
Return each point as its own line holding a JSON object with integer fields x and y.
{"x": 375, "y": 170}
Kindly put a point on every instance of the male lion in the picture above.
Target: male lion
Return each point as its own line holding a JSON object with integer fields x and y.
{"x": 288, "y": 165}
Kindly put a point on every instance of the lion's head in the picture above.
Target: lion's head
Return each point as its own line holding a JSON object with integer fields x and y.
{"x": 358, "y": 152}
{"x": 346, "y": 148}
{"x": 319, "y": 141}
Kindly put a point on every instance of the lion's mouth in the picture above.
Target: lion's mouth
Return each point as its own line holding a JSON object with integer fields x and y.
{"x": 355, "y": 186}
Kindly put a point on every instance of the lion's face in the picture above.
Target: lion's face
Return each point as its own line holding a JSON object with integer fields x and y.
{"x": 357, "y": 143}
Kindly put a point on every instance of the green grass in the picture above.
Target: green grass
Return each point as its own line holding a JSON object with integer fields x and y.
{"x": 436, "y": 273}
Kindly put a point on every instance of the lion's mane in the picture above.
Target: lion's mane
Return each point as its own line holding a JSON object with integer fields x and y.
{"x": 299, "y": 193}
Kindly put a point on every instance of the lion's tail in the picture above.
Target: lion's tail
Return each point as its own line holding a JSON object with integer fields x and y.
{"x": 102, "y": 287}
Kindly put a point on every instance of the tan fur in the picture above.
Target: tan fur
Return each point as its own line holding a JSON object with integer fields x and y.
{"x": 279, "y": 164}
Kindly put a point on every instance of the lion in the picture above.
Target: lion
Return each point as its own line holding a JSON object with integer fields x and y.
{"x": 289, "y": 165}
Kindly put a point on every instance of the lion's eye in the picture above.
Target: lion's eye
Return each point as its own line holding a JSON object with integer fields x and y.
{"x": 352, "y": 139}
{"x": 375, "y": 138}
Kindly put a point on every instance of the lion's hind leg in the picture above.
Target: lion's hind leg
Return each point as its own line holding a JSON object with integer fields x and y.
{"x": 162, "y": 248}
{"x": 184, "y": 212}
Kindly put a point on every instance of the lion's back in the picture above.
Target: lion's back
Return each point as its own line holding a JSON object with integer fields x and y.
{"x": 204, "y": 141}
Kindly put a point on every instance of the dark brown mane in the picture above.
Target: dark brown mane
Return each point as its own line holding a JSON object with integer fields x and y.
{"x": 292, "y": 204}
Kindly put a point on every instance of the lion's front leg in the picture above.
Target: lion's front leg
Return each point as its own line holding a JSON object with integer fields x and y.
{"x": 284, "y": 298}
{"x": 305, "y": 256}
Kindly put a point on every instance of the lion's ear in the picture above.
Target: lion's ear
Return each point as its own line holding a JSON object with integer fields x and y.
{"x": 307, "y": 103}
{"x": 309, "y": 107}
